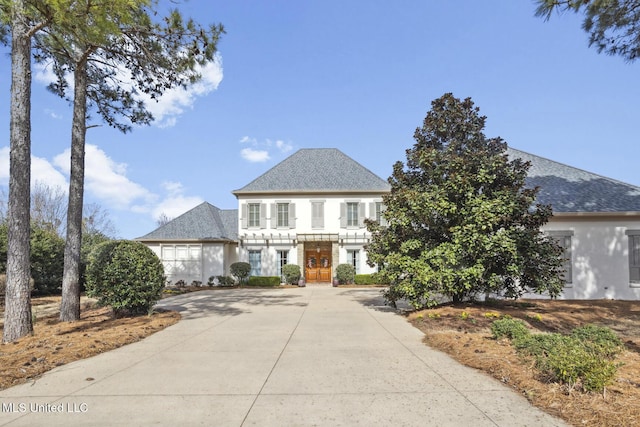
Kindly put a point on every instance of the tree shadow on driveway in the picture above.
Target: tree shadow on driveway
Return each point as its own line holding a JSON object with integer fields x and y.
{"x": 230, "y": 302}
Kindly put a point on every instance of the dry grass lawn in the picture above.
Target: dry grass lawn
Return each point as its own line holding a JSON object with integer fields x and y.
{"x": 467, "y": 338}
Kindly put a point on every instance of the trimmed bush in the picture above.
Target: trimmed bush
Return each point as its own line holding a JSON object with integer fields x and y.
{"x": 240, "y": 270}
{"x": 345, "y": 273}
{"x": 125, "y": 275}
{"x": 263, "y": 281}
{"x": 291, "y": 273}
{"x": 367, "y": 279}
{"x": 507, "y": 327}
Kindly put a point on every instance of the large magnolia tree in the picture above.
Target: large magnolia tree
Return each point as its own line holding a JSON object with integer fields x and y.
{"x": 459, "y": 219}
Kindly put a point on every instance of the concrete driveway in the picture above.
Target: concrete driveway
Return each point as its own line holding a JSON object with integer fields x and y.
{"x": 284, "y": 357}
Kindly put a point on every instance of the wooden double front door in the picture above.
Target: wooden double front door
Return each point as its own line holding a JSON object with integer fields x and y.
{"x": 317, "y": 266}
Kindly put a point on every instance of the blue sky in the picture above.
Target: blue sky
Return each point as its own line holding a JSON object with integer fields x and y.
{"x": 355, "y": 75}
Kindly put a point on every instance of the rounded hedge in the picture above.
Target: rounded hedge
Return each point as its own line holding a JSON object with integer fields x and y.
{"x": 345, "y": 273}
{"x": 126, "y": 276}
{"x": 241, "y": 270}
{"x": 291, "y": 273}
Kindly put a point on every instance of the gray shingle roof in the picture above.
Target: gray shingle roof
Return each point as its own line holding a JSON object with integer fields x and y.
{"x": 316, "y": 170}
{"x": 204, "y": 222}
{"x": 568, "y": 189}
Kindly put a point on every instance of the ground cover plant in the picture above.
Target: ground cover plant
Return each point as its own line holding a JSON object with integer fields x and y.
{"x": 543, "y": 348}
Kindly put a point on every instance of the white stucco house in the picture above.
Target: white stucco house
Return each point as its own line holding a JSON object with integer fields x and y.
{"x": 310, "y": 208}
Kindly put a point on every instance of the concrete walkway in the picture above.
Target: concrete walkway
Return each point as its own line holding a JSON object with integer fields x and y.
{"x": 285, "y": 357}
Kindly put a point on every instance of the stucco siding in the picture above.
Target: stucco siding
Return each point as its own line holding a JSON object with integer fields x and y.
{"x": 600, "y": 257}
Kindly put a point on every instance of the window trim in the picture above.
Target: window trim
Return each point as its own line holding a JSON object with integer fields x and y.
{"x": 631, "y": 236}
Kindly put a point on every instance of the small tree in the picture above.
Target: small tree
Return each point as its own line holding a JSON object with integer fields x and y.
{"x": 345, "y": 273}
{"x": 291, "y": 273}
{"x": 240, "y": 270}
{"x": 126, "y": 276}
{"x": 460, "y": 219}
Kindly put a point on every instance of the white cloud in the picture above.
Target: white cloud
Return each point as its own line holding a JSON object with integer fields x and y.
{"x": 52, "y": 114}
{"x": 43, "y": 73}
{"x": 41, "y": 171}
{"x": 106, "y": 179}
{"x": 174, "y": 203}
{"x": 174, "y": 101}
{"x": 283, "y": 146}
{"x": 261, "y": 152}
{"x": 254, "y": 156}
{"x": 171, "y": 104}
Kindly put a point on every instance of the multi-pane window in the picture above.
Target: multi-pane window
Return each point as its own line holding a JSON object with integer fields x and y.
{"x": 255, "y": 260}
{"x": 352, "y": 214}
{"x": 634, "y": 256}
{"x": 254, "y": 214}
{"x": 283, "y": 259}
{"x": 563, "y": 238}
{"x": 182, "y": 262}
{"x": 317, "y": 214}
{"x": 353, "y": 258}
{"x": 378, "y": 213}
{"x": 282, "y": 214}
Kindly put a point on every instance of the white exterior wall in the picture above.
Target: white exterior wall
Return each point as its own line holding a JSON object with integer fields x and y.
{"x": 600, "y": 257}
{"x": 254, "y": 238}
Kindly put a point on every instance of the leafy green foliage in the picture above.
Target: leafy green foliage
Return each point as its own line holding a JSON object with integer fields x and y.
{"x": 291, "y": 273}
{"x": 222, "y": 281}
{"x": 613, "y": 26}
{"x": 345, "y": 273}
{"x": 240, "y": 270}
{"x": 582, "y": 359}
{"x": 125, "y": 275}
{"x": 263, "y": 281}
{"x": 599, "y": 340}
{"x": 460, "y": 220}
{"x": 365, "y": 279}
{"x": 46, "y": 258}
{"x": 508, "y": 327}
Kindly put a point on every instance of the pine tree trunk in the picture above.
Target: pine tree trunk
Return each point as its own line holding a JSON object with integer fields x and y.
{"x": 70, "y": 307}
{"x": 17, "y": 315}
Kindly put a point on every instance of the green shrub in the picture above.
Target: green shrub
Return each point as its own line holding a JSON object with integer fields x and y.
{"x": 222, "y": 281}
{"x": 291, "y": 273}
{"x": 599, "y": 340}
{"x": 537, "y": 344}
{"x": 364, "y": 279}
{"x": 571, "y": 363}
{"x": 583, "y": 358}
{"x": 47, "y": 260}
{"x": 240, "y": 270}
{"x": 263, "y": 281}
{"x": 345, "y": 273}
{"x": 507, "y": 327}
{"x": 126, "y": 276}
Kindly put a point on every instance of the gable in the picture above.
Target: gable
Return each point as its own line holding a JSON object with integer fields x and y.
{"x": 316, "y": 170}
